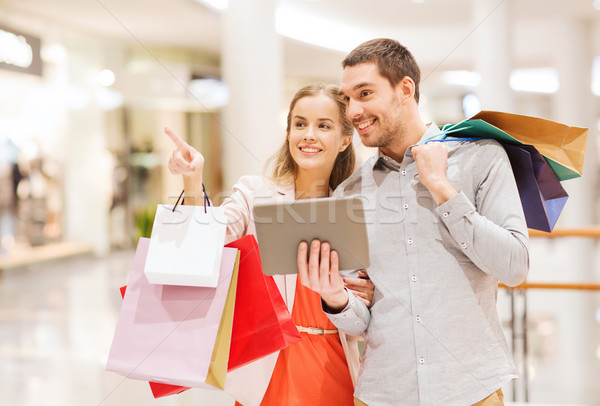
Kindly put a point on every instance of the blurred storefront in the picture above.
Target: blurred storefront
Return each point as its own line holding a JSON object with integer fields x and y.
{"x": 82, "y": 149}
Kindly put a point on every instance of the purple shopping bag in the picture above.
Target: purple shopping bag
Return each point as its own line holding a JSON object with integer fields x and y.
{"x": 542, "y": 196}
{"x": 166, "y": 334}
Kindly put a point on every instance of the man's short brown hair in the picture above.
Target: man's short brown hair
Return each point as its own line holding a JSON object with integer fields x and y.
{"x": 393, "y": 60}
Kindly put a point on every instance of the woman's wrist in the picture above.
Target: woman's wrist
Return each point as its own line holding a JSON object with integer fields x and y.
{"x": 336, "y": 302}
{"x": 192, "y": 186}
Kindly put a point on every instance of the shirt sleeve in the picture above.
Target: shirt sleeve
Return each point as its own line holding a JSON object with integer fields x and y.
{"x": 354, "y": 319}
{"x": 238, "y": 206}
{"x": 491, "y": 232}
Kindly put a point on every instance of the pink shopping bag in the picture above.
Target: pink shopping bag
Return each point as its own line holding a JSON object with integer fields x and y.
{"x": 160, "y": 390}
{"x": 166, "y": 334}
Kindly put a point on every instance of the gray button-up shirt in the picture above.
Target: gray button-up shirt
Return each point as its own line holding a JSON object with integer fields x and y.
{"x": 432, "y": 335}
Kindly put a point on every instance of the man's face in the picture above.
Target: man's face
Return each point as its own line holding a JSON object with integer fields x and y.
{"x": 372, "y": 105}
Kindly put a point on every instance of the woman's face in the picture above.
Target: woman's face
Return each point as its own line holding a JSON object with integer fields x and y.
{"x": 316, "y": 133}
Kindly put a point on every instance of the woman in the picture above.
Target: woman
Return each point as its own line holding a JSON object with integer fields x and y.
{"x": 316, "y": 157}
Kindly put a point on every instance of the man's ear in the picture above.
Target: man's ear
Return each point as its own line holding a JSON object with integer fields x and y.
{"x": 405, "y": 89}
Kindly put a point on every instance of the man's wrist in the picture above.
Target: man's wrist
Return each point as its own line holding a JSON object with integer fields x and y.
{"x": 442, "y": 192}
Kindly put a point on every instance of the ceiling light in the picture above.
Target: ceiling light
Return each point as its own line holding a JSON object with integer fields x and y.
{"x": 535, "y": 80}
{"x": 309, "y": 28}
{"x": 471, "y": 105}
{"x": 215, "y": 4}
{"x": 596, "y": 76}
{"x": 317, "y": 30}
{"x": 53, "y": 53}
{"x": 106, "y": 78}
{"x": 15, "y": 50}
{"x": 211, "y": 93}
{"x": 461, "y": 78}
{"x": 109, "y": 99}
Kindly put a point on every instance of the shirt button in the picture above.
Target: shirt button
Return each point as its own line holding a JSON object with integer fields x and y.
{"x": 445, "y": 214}
{"x": 421, "y": 360}
{"x": 418, "y": 319}
{"x": 410, "y": 241}
{"x": 414, "y": 278}
{"x": 406, "y": 206}
{"x": 464, "y": 245}
{"x": 403, "y": 172}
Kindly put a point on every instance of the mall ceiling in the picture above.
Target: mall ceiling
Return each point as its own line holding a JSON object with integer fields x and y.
{"x": 439, "y": 32}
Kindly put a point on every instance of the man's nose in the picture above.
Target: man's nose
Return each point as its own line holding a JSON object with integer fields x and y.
{"x": 354, "y": 110}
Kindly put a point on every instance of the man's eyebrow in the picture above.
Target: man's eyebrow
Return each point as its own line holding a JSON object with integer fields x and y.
{"x": 361, "y": 85}
{"x": 358, "y": 86}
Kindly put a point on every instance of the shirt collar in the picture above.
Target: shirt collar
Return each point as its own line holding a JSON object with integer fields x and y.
{"x": 432, "y": 133}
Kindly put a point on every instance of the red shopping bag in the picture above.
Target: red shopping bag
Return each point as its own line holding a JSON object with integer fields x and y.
{"x": 159, "y": 390}
{"x": 262, "y": 323}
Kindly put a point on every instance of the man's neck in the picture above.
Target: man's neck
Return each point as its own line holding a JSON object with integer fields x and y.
{"x": 412, "y": 132}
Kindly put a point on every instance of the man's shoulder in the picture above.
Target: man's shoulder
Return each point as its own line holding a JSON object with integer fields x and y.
{"x": 483, "y": 150}
{"x": 484, "y": 144}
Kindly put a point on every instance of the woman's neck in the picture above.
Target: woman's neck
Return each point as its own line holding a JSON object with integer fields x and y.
{"x": 311, "y": 186}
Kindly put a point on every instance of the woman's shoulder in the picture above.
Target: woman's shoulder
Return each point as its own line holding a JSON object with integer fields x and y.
{"x": 253, "y": 183}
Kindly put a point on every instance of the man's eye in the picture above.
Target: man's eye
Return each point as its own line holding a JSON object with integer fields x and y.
{"x": 365, "y": 93}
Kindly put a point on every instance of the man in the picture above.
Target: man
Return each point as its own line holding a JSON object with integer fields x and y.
{"x": 445, "y": 225}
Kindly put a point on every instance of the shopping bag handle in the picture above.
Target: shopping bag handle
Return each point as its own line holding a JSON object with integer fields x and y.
{"x": 444, "y": 139}
{"x": 205, "y": 196}
{"x": 451, "y": 128}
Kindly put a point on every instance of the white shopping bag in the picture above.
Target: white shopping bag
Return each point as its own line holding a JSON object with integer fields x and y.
{"x": 186, "y": 246}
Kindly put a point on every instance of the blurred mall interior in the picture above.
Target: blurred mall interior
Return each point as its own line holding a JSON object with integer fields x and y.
{"x": 86, "y": 88}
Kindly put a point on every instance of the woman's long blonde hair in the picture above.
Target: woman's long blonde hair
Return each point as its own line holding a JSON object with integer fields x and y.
{"x": 284, "y": 168}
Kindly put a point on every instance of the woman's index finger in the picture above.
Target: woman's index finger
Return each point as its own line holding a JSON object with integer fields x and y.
{"x": 177, "y": 140}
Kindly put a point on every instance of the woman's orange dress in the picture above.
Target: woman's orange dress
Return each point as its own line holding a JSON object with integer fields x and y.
{"x": 314, "y": 370}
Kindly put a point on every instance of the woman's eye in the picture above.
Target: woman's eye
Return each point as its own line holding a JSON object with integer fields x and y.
{"x": 300, "y": 125}
{"x": 325, "y": 126}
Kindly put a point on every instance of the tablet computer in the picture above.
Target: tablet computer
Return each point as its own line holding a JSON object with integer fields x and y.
{"x": 281, "y": 226}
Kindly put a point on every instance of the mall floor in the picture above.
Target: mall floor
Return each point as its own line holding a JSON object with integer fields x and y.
{"x": 57, "y": 319}
{"x": 56, "y": 325}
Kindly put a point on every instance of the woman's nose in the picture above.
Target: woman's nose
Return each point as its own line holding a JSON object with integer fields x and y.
{"x": 309, "y": 134}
